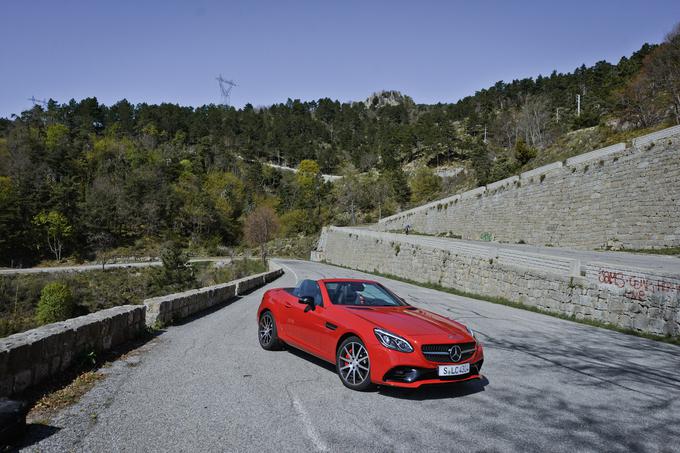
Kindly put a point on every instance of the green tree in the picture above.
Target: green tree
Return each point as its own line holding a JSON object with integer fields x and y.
{"x": 56, "y": 228}
{"x": 398, "y": 183}
{"x": 349, "y": 191}
{"x": 55, "y": 304}
{"x": 175, "y": 273}
{"x": 9, "y": 220}
{"x": 481, "y": 163}
{"x": 425, "y": 185}
{"x": 225, "y": 193}
{"x": 297, "y": 221}
{"x": 56, "y": 136}
{"x": 194, "y": 216}
{"x": 663, "y": 68}
{"x": 523, "y": 152}
{"x": 379, "y": 191}
{"x": 308, "y": 181}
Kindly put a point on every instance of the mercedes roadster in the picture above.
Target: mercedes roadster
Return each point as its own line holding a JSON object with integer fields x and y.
{"x": 371, "y": 335}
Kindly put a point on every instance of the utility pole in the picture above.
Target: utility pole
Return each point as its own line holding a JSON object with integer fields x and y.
{"x": 485, "y": 134}
{"x": 558, "y": 115}
{"x": 578, "y": 105}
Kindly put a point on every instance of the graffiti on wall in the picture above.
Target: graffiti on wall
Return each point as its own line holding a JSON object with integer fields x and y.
{"x": 639, "y": 287}
{"x": 486, "y": 236}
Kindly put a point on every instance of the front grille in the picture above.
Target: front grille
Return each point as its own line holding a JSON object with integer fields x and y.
{"x": 409, "y": 374}
{"x": 440, "y": 352}
{"x": 475, "y": 368}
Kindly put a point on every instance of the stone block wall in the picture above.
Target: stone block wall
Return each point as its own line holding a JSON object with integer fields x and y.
{"x": 173, "y": 307}
{"x": 619, "y": 196}
{"x": 643, "y": 300}
{"x": 28, "y": 358}
{"x": 165, "y": 310}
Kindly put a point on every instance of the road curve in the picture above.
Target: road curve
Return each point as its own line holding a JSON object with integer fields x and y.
{"x": 550, "y": 385}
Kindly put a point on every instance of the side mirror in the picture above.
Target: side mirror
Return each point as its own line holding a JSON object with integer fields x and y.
{"x": 307, "y": 300}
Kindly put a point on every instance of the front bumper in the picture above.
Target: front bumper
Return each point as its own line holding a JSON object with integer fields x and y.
{"x": 411, "y": 370}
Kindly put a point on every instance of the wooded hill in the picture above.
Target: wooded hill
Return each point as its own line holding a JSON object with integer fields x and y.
{"x": 81, "y": 177}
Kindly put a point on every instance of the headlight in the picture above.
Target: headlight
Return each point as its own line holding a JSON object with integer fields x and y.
{"x": 471, "y": 331}
{"x": 392, "y": 341}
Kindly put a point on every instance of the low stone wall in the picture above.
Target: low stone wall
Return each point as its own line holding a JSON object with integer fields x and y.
{"x": 165, "y": 310}
{"x": 247, "y": 284}
{"x": 173, "y": 307}
{"x": 645, "y": 300}
{"x": 30, "y": 357}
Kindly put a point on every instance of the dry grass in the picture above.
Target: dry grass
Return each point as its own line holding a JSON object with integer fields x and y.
{"x": 52, "y": 402}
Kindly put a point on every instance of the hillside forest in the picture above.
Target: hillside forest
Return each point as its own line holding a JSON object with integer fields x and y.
{"x": 81, "y": 179}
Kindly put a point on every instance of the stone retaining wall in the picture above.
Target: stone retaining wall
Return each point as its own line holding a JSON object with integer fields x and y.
{"x": 165, "y": 310}
{"x": 173, "y": 307}
{"x": 644, "y": 300}
{"x": 618, "y": 196}
{"x": 28, "y": 358}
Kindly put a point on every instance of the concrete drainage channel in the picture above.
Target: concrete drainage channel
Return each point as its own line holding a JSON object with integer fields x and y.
{"x": 30, "y": 358}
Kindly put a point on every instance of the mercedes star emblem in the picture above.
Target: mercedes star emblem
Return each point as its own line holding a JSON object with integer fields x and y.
{"x": 455, "y": 353}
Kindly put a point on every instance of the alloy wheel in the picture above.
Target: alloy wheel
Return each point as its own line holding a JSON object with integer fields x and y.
{"x": 354, "y": 366}
{"x": 266, "y": 329}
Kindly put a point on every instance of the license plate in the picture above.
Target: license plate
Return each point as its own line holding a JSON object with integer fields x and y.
{"x": 454, "y": 370}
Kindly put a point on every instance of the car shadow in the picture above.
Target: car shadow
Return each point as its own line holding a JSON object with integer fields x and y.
{"x": 30, "y": 435}
{"x": 436, "y": 391}
{"x": 310, "y": 358}
{"x": 425, "y": 392}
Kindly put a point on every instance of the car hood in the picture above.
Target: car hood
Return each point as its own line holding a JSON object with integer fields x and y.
{"x": 412, "y": 322}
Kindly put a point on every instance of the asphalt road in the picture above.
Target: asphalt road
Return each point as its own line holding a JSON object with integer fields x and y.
{"x": 662, "y": 263}
{"x": 550, "y": 385}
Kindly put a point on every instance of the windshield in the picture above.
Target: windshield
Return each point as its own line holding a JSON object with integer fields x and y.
{"x": 359, "y": 293}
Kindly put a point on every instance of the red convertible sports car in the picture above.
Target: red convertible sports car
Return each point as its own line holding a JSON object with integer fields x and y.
{"x": 371, "y": 335}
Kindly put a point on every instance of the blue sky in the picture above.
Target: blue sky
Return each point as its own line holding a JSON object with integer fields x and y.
{"x": 171, "y": 51}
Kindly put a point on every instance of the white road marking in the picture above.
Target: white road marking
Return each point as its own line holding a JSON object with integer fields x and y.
{"x": 309, "y": 427}
{"x": 292, "y": 271}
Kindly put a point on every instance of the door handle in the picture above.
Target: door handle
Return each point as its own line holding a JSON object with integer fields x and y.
{"x": 331, "y": 326}
{"x": 288, "y": 305}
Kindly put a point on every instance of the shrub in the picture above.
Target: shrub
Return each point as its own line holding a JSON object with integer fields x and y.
{"x": 175, "y": 274}
{"x": 523, "y": 152}
{"x": 297, "y": 221}
{"x": 425, "y": 185}
{"x": 56, "y": 303}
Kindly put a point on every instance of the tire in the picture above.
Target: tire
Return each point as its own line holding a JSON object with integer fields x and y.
{"x": 353, "y": 364}
{"x": 266, "y": 332}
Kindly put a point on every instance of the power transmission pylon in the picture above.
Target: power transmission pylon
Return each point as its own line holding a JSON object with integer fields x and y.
{"x": 225, "y": 88}
{"x": 36, "y": 101}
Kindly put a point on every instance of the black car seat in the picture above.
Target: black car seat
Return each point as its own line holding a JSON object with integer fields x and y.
{"x": 347, "y": 296}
